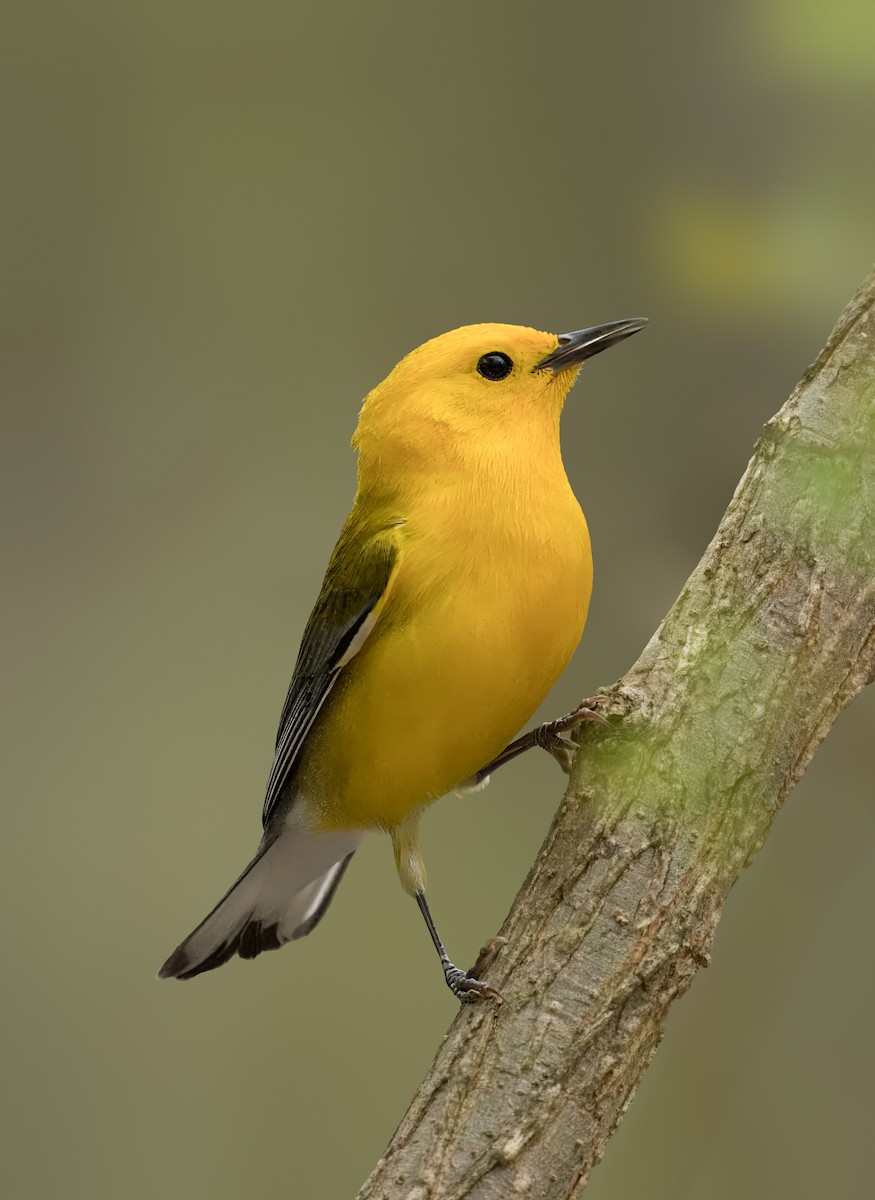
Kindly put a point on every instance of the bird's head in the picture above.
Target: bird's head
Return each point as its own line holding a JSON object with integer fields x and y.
{"x": 488, "y": 381}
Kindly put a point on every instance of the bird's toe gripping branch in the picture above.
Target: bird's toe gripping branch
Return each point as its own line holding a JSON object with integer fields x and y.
{"x": 468, "y": 989}
{"x": 465, "y": 985}
{"x": 551, "y": 736}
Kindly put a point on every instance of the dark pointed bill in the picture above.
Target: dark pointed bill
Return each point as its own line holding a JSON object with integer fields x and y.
{"x": 575, "y": 348}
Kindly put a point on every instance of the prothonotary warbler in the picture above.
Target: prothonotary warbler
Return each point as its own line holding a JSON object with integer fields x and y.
{"x": 453, "y": 600}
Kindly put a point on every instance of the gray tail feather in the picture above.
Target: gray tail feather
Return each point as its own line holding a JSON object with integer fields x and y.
{"x": 282, "y": 895}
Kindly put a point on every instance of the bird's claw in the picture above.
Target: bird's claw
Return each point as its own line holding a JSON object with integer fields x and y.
{"x": 466, "y": 987}
{"x": 563, "y": 750}
{"x": 552, "y": 736}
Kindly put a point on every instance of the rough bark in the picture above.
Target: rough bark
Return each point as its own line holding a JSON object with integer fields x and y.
{"x": 772, "y": 636}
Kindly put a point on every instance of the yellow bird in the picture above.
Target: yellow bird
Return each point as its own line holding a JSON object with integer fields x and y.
{"x": 453, "y": 600}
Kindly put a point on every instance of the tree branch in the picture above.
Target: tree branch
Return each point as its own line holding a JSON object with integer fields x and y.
{"x": 771, "y": 637}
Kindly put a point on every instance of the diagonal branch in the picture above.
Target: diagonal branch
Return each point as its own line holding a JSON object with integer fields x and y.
{"x": 771, "y": 637}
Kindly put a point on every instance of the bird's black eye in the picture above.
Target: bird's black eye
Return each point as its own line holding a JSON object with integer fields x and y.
{"x": 495, "y": 365}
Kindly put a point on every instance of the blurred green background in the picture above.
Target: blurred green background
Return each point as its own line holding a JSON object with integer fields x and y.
{"x": 222, "y": 225}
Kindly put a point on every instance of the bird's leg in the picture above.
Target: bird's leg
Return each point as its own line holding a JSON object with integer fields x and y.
{"x": 464, "y": 985}
{"x": 549, "y": 736}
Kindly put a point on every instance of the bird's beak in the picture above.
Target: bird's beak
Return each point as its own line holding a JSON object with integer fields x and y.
{"x": 575, "y": 348}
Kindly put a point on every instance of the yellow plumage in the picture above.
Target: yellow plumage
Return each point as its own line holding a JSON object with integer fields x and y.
{"x": 455, "y": 597}
{"x": 489, "y": 594}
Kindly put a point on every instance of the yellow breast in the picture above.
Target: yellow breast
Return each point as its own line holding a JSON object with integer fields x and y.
{"x": 488, "y": 603}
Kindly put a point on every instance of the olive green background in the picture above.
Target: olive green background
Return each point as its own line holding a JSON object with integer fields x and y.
{"x": 222, "y": 224}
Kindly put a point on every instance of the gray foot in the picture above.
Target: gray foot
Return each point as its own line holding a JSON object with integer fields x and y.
{"x": 550, "y": 736}
{"x": 468, "y": 989}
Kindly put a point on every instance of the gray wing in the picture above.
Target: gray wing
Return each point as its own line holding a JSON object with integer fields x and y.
{"x": 355, "y": 582}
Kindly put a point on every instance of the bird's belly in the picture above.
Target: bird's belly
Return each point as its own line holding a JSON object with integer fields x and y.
{"x": 435, "y": 696}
